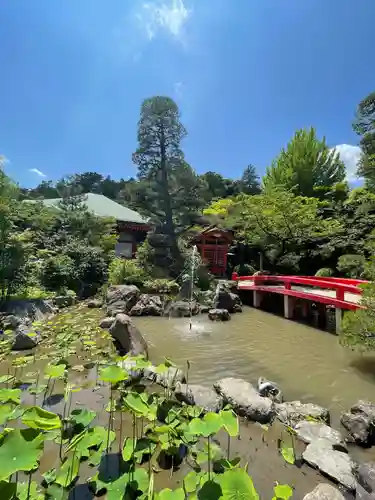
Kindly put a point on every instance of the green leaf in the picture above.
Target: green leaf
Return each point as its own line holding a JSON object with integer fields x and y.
{"x": 6, "y": 378}
{"x": 54, "y": 371}
{"x": 82, "y": 416}
{"x": 213, "y": 423}
{"x": 38, "y": 418}
{"x": 68, "y": 471}
{"x": 91, "y": 438}
{"x": 7, "y": 490}
{"x": 230, "y": 422}
{"x": 9, "y": 412}
{"x": 20, "y": 450}
{"x": 136, "y": 403}
{"x": 191, "y": 481}
{"x": 168, "y": 494}
{"x": 10, "y": 396}
{"x": 236, "y": 484}
{"x": 117, "y": 489}
{"x": 197, "y": 427}
{"x": 24, "y": 493}
{"x": 113, "y": 374}
{"x": 142, "y": 446}
{"x": 288, "y": 453}
{"x": 55, "y": 492}
{"x": 283, "y": 492}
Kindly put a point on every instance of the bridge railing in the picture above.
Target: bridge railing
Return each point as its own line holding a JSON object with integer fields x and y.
{"x": 340, "y": 285}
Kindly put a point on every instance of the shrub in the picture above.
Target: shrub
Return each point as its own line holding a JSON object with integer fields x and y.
{"x": 161, "y": 286}
{"x": 352, "y": 266}
{"x": 56, "y": 272}
{"x": 324, "y": 272}
{"x": 245, "y": 269}
{"x": 126, "y": 272}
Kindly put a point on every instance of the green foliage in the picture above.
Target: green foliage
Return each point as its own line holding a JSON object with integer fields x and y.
{"x": 352, "y": 266}
{"x": 324, "y": 272}
{"x": 307, "y": 166}
{"x": 126, "y": 272}
{"x": 161, "y": 286}
{"x": 364, "y": 126}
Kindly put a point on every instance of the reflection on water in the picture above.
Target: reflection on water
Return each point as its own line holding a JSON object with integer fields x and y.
{"x": 309, "y": 364}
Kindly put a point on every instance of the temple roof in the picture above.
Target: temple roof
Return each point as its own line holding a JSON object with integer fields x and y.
{"x": 102, "y": 206}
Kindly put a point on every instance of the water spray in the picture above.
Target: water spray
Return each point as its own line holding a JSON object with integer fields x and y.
{"x": 192, "y": 284}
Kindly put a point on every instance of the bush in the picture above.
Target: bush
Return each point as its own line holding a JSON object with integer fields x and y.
{"x": 126, "y": 272}
{"x": 352, "y": 266}
{"x": 245, "y": 269}
{"x": 56, "y": 272}
{"x": 161, "y": 286}
{"x": 324, "y": 272}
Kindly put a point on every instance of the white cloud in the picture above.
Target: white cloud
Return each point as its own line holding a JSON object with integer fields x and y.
{"x": 168, "y": 16}
{"x": 178, "y": 88}
{"x": 4, "y": 160}
{"x": 350, "y": 156}
{"x": 37, "y": 172}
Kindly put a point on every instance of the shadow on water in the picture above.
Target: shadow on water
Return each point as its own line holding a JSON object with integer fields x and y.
{"x": 365, "y": 367}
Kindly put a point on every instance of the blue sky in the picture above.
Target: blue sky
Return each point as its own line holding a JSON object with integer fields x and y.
{"x": 245, "y": 73}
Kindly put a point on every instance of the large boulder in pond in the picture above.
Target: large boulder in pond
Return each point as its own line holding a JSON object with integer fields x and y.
{"x": 62, "y": 301}
{"x": 218, "y": 315}
{"x": 147, "y": 305}
{"x": 95, "y": 304}
{"x": 309, "y": 431}
{"x": 292, "y": 412}
{"x": 182, "y": 309}
{"x": 245, "y": 399}
{"x": 107, "y": 322}
{"x": 199, "y": 395}
{"x": 121, "y": 299}
{"x": 168, "y": 378}
{"x": 24, "y": 338}
{"x": 332, "y": 463}
{"x": 324, "y": 492}
{"x": 224, "y": 299}
{"x": 127, "y": 336}
{"x": 360, "y": 423}
{"x": 365, "y": 476}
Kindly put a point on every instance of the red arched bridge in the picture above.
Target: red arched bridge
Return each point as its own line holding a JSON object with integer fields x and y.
{"x": 340, "y": 293}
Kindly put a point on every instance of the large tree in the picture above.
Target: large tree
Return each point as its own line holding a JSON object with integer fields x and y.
{"x": 307, "y": 166}
{"x": 364, "y": 126}
{"x": 172, "y": 187}
{"x": 249, "y": 183}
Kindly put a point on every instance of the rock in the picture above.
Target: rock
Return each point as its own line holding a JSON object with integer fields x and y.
{"x": 107, "y": 322}
{"x": 237, "y": 308}
{"x": 10, "y": 322}
{"x": 218, "y": 315}
{"x": 311, "y": 431}
{"x": 334, "y": 464}
{"x": 270, "y": 390}
{"x": 128, "y": 336}
{"x": 95, "y": 304}
{"x": 130, "y": 367}
{"x": 245, "y": 399}
{"x": 64, "y": 301}
{"x": 169, "y": 378}
{"x": 24, "y": 338}
{"x": 32, "y": 309}
{"x": 121, "y": 299}
{"x": 206, "y": 298}
{"x": 324, "y": 492}
{"x": 181, "y": 309}
{"x": 361, "y": 494}
{"x": 292, "y": 412}
{"x": 147, "y": 305}
{"x": 365, "y": 476}
{"x": 224, "y": 299}
{"x": 360, "y": 423}
{"x": 204, "y": 309}
{"x": 199, "y": 395}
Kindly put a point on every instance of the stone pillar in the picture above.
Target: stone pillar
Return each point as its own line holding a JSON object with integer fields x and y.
{"x": 338, "y": 320}
{"x": 257, "y": 298}
{"x": 288, "y": 307}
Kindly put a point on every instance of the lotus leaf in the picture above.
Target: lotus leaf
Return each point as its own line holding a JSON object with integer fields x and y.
{"x": 116, "y": 489}
{"x": 168, "y": 494}
{"x": 9, "y": 412}
{"x": 143, "y": 446}
{"x": 287, "y": 451}
{"x": 282, "y": 492}
{"x": 68, "y": 471}
{"x": 230, "y": 422}
{"x": 236, "y": 484}
{"x": 10, "y": 396}
{"x": 20, "y": 450}
{"x": 136, "y": 403}
{"x": 54, "y": 371}
{"x": 113, "y": 374}
{"x": 38, "y": 418}
{"x": 191, "y": 481}
{"x": 82, "y": 417}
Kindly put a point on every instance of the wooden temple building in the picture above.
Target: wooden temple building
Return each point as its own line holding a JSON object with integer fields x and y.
{"x": 213, "y": 245}
{"x": 132, "y": 228}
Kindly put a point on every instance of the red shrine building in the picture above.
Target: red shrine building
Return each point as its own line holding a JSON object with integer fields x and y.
{"x": 213, "y": 245}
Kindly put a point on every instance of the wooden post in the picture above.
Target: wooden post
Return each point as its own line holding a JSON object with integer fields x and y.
{"x": 338, "y": 313}
{"x": 288, "y": 307}
{"x": 257, "y": 298}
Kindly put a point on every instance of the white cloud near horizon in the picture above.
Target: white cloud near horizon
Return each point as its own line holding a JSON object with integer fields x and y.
{"x": 168, "y": 16}
{"x": 37, "y": 172}
{"x": 350, "y": 156}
